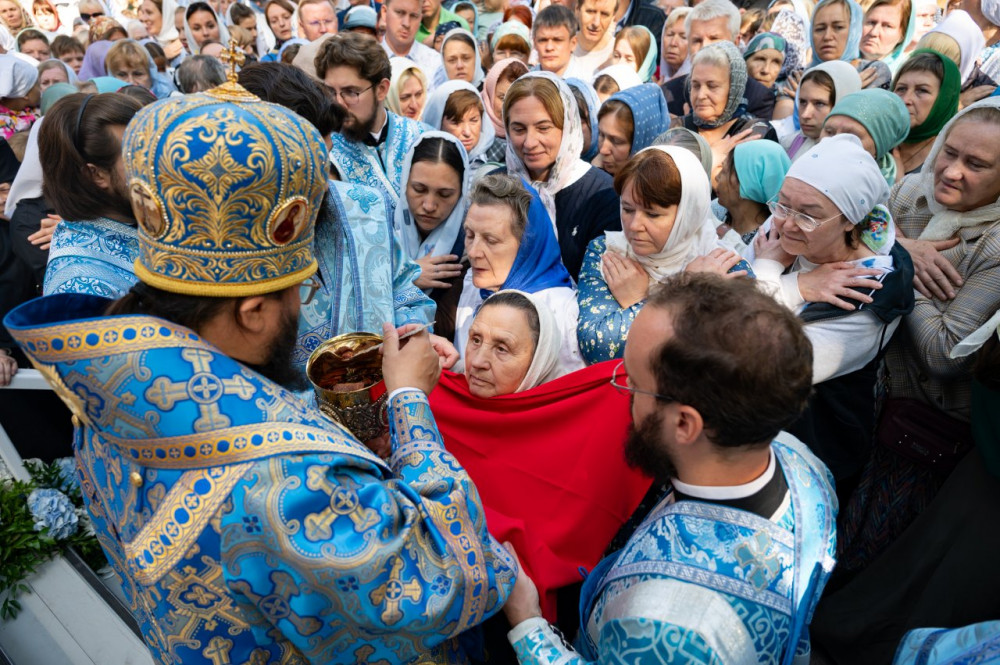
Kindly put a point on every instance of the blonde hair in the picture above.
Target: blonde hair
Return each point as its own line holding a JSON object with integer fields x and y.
{"x": 943, "y": 44}
{"x": 128, "y": 52}
{"x": 638, "y": 40}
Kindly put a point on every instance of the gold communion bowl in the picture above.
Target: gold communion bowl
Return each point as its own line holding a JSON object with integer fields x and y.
{"x": 349, "y": 391}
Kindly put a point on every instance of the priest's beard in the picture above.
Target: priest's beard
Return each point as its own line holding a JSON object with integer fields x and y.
{"x": 119, "y": 203}
{"x": 278, "y": 366}
{"x": 646, "y": 451}
{"x": 358, "y": 130}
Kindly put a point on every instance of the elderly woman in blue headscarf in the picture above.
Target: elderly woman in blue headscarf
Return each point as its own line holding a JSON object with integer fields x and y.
{"x": 824, "y": 228}
{"x": 765, "y": 58}
{"x": 750, "y": 178}
{"x": 716, "y": 88}
{"x": 511, "y": 244}
{"x": 879, "y": 119}
{"x": 628, "y": 122}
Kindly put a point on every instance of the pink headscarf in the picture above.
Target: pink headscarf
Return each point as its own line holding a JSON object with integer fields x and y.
{"x": 489, "y": 89}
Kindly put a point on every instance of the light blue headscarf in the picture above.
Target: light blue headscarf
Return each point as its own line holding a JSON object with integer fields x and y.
{"x": 648, "y": 66}
{"x": 885, "y": 117}
{"x": 650, "y": 116}
{"x": 853, "y": 49}
{"x": 593, "y": 106}
{"x": 108, "y": 84}
{"x": 760, "y": 167}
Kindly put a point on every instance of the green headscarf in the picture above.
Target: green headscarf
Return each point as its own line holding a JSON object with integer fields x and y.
{"x": 945, "y": 106}
{"x": 885, "y": 117}
{"x": 764, "y": 41}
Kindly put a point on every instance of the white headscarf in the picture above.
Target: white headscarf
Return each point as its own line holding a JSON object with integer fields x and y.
{"x": 168, "y": 29}
{"x": 568, "y": 167}
{"x": 944, "y": 223}
{"x": 223, "y": 31}
{"x": 965, "y": 31}
{"x": 693, "y": 233}
{"x": 28, "y": 181}
{"x": 477, "y": 75}
{"x": 545, "y": 364}
{"x": 434, "y": 114}
{"x": 17, "y": 76}
{"x": 846, "y": 80}
{"x": 859, "y": 191}
{"x": 624, "y": 75}
{"x": 399, "y": 65}
{"x": 7, "y": 40}
{"x": 439, "y": 241}
{"x": 991, "y": 10}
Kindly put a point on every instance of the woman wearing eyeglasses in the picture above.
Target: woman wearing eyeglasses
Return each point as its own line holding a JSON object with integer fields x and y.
{"x": 832, "y": 240}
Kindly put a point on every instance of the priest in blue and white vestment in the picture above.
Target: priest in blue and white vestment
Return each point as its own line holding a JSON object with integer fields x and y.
{"x": 246, "y": 527}
{"x": 372, "y": 146}
{"x": 728, "y": 565}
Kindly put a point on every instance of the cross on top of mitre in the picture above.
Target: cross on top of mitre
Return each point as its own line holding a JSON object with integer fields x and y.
{"x": 233, "y": 57}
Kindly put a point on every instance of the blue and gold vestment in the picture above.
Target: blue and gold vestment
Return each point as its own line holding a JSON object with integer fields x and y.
{"x": 704, "y": 583}
{"x": 248, "y": 528}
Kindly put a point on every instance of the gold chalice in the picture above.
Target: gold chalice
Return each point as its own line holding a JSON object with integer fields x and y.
{"x": 350, "y": 390}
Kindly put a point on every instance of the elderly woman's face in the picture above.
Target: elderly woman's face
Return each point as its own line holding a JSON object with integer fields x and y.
{"x": 764, "y": 66}
{"x": 709, "y": 91}
{"x": 411, "y": 97}
{"x": 613, "y": 143}
{"x": 500, "y": 349}
{"x": 841, "y": 124}
{"x": 675, "y": 44}
{"x": 967, "y": 170}
{"x": 882, "y": 31}
{"x": 824, "y": 240}
{"x": 37, "y": 49}
{"x": 52, "y": 76}
{"x": 490, "y": 244}
{"x": 151, "y": 17}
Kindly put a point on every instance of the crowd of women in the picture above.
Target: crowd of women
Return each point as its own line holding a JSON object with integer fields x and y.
{"x": 845, "y": 156}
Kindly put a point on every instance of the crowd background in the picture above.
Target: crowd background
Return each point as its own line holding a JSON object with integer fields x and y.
{"x": 523, "y": 176}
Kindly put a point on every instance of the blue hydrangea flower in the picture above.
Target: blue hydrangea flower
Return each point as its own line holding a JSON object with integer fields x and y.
{"x": 53, "y": 510}
{"x": 67, "y": 467}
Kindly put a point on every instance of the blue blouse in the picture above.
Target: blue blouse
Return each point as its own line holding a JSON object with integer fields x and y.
{"x": 604, "y": 324}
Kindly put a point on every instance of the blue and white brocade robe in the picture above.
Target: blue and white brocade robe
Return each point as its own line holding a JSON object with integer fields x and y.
{"x": 381, "y": 167}
{"x": 703, "y": 583}
{"x": 367, "y": 279}
{"x": 977, "y": 644}
{"x": 93, "y": 257}
{"x": 246, "y": 527}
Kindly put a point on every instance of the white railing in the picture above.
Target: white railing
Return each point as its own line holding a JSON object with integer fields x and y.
{"x": 63, "y": 619}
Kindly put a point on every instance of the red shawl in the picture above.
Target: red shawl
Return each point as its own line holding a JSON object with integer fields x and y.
{"x": 549, "y": 466}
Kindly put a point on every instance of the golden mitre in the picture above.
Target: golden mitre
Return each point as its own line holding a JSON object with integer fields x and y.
{"x": 225, "y": 188}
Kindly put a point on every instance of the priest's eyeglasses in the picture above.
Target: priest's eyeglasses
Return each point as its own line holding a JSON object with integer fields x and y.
{"x": 349, "y": 96}
{"x": 807, "y": 223}
{"x": 626, "y": 389}
{"x": 308, "y": 289}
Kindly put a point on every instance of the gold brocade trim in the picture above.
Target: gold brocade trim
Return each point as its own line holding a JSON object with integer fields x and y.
{"x": 224, "y": 289}
{"x": 97, "y": 338}
{"x": 179, "y": 521}
{"x": 244, "y": 443}
{"x": 464, "y": 544}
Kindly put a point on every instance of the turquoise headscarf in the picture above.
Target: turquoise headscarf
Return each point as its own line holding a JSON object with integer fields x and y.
{"x": 54, "y": 93}
{"x": 760, "y": 167}
{"x": 853, "y": 49}
{"x": 650, "y": 116}
{"x": 885, "y": 117}
{"x": 648, "y": 66}
{"x": 108, "y": 83}
{"x": 764, "y": 41}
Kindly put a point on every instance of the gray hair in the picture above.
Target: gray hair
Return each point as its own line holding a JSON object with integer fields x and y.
{"x": 693, "y": 142}
{"x": 713, "y": 9}
{"x": 676, "y": 14}
{"x": 198, "y": 73}
{"x": 506, "y": 191}
{"x": 711, "y": 56}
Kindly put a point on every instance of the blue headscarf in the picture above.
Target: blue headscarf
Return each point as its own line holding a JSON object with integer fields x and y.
{"x": 108, "y": 84}
{"x": 593, "y": 106}
{"x": 853, "y": 49}
{"x": 760, "y": 167}
{"x": 650, "y": 116}
{"x": 538, "y": 264}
